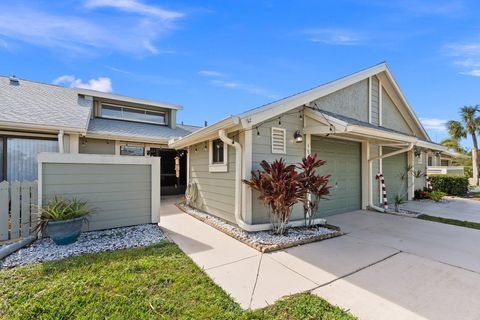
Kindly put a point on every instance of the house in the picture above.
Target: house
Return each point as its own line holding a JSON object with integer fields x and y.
{"x": 360, "y": 125}
{"x": 37, "y": 117}
{"x": 446, "y": 163}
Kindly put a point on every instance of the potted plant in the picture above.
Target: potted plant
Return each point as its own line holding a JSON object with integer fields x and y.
{"x": 62, "y": 219}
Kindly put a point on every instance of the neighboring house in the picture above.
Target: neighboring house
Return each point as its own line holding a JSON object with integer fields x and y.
{"x": 360, "y": 124}
{"x": 37, "y": 117}
{"x": 445, "y": 163}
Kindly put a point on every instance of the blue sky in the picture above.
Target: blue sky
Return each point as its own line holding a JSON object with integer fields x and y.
{"x": 218, "y": 58}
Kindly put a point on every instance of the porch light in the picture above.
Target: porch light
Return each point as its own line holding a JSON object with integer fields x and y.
{"x": 298, "y": 137}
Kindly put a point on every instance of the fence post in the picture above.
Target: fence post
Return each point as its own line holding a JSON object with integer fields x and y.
{"x": 15, "y": 212}
{"x": 34, "y": 206}
{"x": 25, "y": 208}
{"x": 4, "y": 204}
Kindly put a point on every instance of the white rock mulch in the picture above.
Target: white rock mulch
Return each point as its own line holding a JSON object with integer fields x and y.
{"x": 264, "y": 238}
{"x": 95, "y": 241}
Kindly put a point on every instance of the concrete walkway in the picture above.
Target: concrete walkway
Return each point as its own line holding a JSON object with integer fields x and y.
{"x": 452, "y": 208}
{"x": 387, "y": 267}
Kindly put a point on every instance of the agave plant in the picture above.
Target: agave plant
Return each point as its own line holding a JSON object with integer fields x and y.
{"x": 60, "y": 209}
{"x": 314, "y": 187}
{"x": 280, "y": 188}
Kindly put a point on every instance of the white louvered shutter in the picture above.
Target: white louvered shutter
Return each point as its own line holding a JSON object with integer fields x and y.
{"x": 279, "y": 140}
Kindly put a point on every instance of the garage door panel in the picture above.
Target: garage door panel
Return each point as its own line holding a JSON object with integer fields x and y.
{"x": 343, "y": 163}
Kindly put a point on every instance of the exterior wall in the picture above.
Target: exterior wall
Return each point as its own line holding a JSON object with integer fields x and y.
{"x": 421, "y": 164}
{"x": 391, "y": 117}
{"x": 351, "y": 101}
{"x": 97, "y": 146}
{"x": 262, "y": 150}
{"x": 119, "y": 194}
{"x": 375, "y": 101}
{"x": 216, "y": 190}
{"x": 374, "y": 152}
{"x": 395, "y": 173}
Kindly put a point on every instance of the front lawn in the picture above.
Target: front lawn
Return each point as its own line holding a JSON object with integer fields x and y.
{"x": 157, "y": 282}
{"x": 460, "y": 223}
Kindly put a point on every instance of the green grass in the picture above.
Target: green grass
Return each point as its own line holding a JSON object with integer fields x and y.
{"x": 461, "y": 223}
{"x": 473, "y": 196}
{"x": 157, "y": 282}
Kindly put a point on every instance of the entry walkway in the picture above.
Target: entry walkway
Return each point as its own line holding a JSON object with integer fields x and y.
{"x": 387, "y": 267}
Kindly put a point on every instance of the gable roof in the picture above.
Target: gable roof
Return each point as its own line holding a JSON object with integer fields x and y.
{"x": 260, "y": 114}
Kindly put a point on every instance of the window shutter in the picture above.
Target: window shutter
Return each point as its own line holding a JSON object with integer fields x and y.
{"x": 279, "y": 140}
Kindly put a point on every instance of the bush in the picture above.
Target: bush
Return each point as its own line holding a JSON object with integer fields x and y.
{"x": 452, "y": 185}
{"x": 437, "y": 195}
{"x": 422, "y": 194}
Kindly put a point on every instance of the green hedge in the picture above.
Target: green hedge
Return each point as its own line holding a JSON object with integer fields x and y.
{"x": 452, "y": 185}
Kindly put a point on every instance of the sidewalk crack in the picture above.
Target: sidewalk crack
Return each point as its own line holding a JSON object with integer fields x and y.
{"x": 256, "y": 280}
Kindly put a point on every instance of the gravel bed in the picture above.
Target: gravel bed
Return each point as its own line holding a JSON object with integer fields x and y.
{"x": 264, "y": 240}
{"x": 95, "y": 241}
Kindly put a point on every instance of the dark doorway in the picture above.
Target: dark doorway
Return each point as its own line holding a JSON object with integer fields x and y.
{"x": 173, "y": 170}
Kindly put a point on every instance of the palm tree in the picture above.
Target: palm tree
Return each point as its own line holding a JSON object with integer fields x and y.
{"x": 453, "y": 144}
{"x": 469, "y": 125}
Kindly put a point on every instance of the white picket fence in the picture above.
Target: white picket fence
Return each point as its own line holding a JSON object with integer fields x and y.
{"x": 18, "y": 209}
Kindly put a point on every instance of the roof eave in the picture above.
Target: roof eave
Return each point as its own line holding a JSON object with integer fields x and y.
{"x": 40, "y": 127}
{"x": 205, "y": 133}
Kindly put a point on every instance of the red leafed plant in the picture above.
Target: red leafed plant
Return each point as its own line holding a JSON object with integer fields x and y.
{"x": 313, "y": 186}
{"x": 280, "y": 188}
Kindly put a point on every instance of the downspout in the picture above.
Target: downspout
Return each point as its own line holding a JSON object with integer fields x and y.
{"x": 370, "y": 162}
{"x": 60, "y": 141}
{"x": 238, "y": 191}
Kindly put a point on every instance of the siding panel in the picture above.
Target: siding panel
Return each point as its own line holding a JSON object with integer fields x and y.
{"x": 119, "y": 194}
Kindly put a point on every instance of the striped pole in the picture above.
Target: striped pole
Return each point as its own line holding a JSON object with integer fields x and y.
{"x": 381, "y": 179}
{"x": 429, "y": 183}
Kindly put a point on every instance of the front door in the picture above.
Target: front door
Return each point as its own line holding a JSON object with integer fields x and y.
{"x": 173, "y": 170}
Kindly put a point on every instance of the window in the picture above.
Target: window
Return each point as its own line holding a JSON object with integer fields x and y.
{"x": 444, "y": 163}
{"x": 133, "y": 114}
{"x": 430, "y": 161}
{"x": 126, "y": 150}
{"x": 420, "y": 158}
{"x": 18, "y": 157}
{"x": 279, "y": 143}
{"x": 218, "y": 152}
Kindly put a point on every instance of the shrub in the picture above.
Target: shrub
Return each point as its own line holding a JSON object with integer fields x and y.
{"x": 313, "y": 185}
{"x": 60, "y": 209}
{"x": 279, "y": 186}
{"x": 452, "y": 185}
{"x": 437, "y": 195}
{"x": 422, "y": 194}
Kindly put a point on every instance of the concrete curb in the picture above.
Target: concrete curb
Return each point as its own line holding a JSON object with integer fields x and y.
{"x": 11, "y": 248}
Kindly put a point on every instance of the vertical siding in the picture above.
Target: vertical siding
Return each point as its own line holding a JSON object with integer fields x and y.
{"x": 216, "y": 190}
{"x": 262, "y": 150}
{"x": 391, "y": 117}
{"x": 420, "y": 182}
{"x": 119, "y": 194}
{"x": 97, "y": 146}
{"x": 393, "y": 169}
{"x": 351, "y": 101}
{"x": 375, "y": 101}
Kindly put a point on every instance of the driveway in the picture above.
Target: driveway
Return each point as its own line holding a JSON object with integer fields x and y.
{"x": 452, "y": 208}
{"x": 386, "y": 267}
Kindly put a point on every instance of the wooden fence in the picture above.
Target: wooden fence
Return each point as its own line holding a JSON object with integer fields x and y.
{"x": 18, "y": 209}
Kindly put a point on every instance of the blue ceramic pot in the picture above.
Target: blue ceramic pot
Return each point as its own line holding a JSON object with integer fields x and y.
{"x": 65, "y": 231}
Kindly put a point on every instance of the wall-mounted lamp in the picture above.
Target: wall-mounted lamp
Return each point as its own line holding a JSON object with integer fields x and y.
{"x": 417, "y": 153}
{"x": 298, "y": 137}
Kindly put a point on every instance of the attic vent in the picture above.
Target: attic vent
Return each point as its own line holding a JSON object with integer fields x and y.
{"x": 279, "y": 143}
{"x": 14, "y": 81}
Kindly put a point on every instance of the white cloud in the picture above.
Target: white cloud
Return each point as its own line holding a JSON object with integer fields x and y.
{"x": 334, "y": 36}
{"x": 211, "y": 73}
{"x": 135, "y": 6}
{"x": 466, "y": 55}
{"x": 90, "y": 34}
{"x": 434, "y": 124}
{"x": 253, "y": 89}
{"x": 103, "y": 84}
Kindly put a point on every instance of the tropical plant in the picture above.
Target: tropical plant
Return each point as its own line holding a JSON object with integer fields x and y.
{"x": 280, "y": 188}
{"x": 397, "y": 201}
{"x": 453, "y": 145}
{"x": 61, "y": 209}
{"x": 313, "y": 187}
{"x": 469, "y": 125}
{"x": 437, "y": 195}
